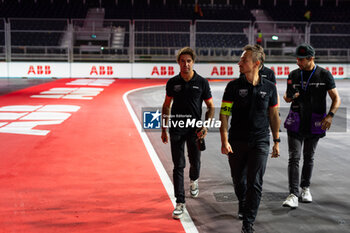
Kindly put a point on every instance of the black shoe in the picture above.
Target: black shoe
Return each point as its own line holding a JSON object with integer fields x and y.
{"x": 247, "y": 228}
{"x": 241, "y": 207}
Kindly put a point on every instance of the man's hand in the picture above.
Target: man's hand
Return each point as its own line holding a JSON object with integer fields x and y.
{"x": 288, "y": 100}
{"x": 275, "y": 150}
{"x": 226, "y": 148}
{"x": 164, "y": 136}
{"x": 326, "y": 122}
{"x": 202, "y": 133}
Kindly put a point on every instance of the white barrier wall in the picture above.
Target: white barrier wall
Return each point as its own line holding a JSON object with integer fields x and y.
{"x": 142, "y": 70}
{"x": 3, "y": 70}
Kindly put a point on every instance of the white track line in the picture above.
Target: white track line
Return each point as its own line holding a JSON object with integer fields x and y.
{"x": 186, "y": 220}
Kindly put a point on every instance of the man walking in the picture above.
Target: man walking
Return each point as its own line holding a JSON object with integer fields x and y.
{"x": 186, "y": 92}
{"x": 307, "y": 89}
{"x": 252, "y": 102}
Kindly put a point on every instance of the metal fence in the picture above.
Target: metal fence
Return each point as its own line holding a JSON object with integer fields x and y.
{"x": 158, "y": 40}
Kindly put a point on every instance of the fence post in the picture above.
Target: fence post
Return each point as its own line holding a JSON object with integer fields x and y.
{"x": 8, "y": 41}
{"x": 132, "y": 41}
{"x": 193, "y": 35}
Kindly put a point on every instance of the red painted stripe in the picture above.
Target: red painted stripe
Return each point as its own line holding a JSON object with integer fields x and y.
{"x": 89, "y": 174}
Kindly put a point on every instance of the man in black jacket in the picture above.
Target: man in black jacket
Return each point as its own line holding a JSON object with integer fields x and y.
{"x": 252, "y": 102}
{"x": 308, "y": 120}
{"x": 185, "y": 94}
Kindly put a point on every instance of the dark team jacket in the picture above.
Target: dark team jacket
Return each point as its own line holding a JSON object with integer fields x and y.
{"x": 187, "y": 98}
{"x": 250, "y": 108}
{"x": 311, "y": 100}
{"x": 268, "y": 74}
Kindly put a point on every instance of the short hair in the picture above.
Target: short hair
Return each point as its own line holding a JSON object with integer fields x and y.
{"x": 186, "y": 50}
{"x": 257, "y": 53}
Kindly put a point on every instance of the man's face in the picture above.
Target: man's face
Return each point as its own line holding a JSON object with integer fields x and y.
{"x": 304, "y": 63}
{"x": 186, "y": 63}
{"x": 246, "y": 63}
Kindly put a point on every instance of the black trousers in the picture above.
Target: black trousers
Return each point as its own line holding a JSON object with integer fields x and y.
{"x": 294, "y": 148}
{"x": 248, "y": 163}
{"x": 177, "y": 142}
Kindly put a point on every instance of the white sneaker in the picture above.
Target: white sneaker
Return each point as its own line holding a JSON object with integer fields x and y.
{"x": 194, "y": 188}
{"x": 291, "y": 201}
{"x": 306, "y": 195}
{"x": 179, "y": 210}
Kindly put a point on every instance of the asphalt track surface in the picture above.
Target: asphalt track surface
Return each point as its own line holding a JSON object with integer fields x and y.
{"x": 215, "y": 210}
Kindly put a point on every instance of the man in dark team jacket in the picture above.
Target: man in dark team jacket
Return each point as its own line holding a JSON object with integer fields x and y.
{"x": 252, "y": 102}
{"x": 186, "y": 92}
{"x": 307, "y": 121}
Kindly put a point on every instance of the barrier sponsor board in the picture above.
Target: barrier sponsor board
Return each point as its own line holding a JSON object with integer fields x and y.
{"x": 154, "y": 70}
{"x": 144, "y": 70}
{"x": 101, "y": 70}
{"x": 39, "y": 70}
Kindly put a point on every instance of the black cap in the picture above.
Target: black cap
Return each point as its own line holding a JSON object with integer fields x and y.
{"x": 304, "y": 50}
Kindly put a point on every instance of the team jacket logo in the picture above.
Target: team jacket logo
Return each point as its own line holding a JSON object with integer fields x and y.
{"x": 22, "y": 119}
{"x": 177, "y": 88}
{"x": 243, "y": 92}
{"x": 262, "y": 94}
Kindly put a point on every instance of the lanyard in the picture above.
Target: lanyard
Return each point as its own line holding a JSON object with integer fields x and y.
{"x": 307, "y": 83}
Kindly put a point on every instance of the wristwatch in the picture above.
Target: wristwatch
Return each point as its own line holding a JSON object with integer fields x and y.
{"x": 330, "y": 114}
{"x": 277, "y": 140}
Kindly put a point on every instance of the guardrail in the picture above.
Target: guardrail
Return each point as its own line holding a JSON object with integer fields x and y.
{"x": 159, "y": 40}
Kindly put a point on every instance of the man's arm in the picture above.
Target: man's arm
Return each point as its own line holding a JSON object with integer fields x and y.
{"x": 210, "y": 109}
{"x": 288, "y": 100}
{"x": 225, "y": 145}
{"x": 327, "y": 121}
{"x": 275, "y": 126}
{"x": 165, "y": 117}
{"x": 209, "y": 114}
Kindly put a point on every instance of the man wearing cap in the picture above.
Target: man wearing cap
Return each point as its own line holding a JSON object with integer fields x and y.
{"x": 308, "y": 119}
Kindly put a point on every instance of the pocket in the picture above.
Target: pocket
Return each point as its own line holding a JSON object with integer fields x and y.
{"x": 316, "y": 120}
{"x": 292, "y": 121}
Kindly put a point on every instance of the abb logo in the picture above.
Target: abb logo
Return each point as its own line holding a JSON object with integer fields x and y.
{"x": 280, "y": 70}
{"x": 336, "y": 70}
{"x": 222, "y": 70}
{"x": 163, "y": 70}
{"x": 39, "y": 70}
{"x": 101, "y": 70}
